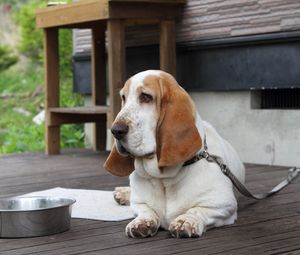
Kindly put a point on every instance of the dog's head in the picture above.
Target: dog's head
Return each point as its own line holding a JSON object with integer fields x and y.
{"x": 157, "y": 117}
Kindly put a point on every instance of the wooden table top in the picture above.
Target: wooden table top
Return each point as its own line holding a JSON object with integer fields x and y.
{"x": 85, "y": 12}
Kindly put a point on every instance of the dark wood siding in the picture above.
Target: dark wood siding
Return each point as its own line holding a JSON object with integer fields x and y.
{"x": 239, "y": 63}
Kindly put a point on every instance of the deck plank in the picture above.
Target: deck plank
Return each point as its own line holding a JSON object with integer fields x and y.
{"x": 266, "y": 227}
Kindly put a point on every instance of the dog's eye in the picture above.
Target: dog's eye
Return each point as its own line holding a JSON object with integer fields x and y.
{"x": 123, "y": 98}
{"x": 145, "y": 98}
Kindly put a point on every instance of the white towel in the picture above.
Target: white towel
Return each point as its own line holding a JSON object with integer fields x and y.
{"x": 90, "y": 204}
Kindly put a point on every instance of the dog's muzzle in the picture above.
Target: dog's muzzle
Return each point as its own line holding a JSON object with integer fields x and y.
{"x": 119, "y": 130}
{"x": 121, "y": 149}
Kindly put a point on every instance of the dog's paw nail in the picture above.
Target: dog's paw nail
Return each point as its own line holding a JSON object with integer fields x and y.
{"x": 185, "y": 226}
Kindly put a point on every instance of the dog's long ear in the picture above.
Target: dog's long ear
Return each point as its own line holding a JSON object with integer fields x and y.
{"x": 177, "y": 135}
{"x": 117, "y": 164}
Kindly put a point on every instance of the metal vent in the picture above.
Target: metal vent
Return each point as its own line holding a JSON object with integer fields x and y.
{"x": 280, "y": 99}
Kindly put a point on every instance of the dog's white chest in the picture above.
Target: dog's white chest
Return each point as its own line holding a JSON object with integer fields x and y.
{"x": 164, "y": 201}
{"x": 164, "y": 194}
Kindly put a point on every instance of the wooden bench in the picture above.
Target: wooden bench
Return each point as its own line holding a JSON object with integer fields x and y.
{"x": 99, "y": 16}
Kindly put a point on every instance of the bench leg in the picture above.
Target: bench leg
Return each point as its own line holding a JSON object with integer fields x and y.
{"x": 116, "y": 64}
{"x": 98, "y": 84}
{"x": 52, "y": 133}
{"x": 167, "y": 47}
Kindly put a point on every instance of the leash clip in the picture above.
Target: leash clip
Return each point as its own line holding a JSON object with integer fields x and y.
{"x": 293, "y": 172}
{"x": 205, "y": 154}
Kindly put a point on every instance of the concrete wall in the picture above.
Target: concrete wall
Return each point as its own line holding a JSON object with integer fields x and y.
{"x": 259, "y": 136}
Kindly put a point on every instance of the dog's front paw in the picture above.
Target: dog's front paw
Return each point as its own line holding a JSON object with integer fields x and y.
{"x": 186, "y": 225}
{"x": 122, "y": 195}
{"x": 142, "y": 227}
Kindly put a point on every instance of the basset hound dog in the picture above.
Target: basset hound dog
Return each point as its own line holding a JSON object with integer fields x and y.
{"x": 157, "y": 130}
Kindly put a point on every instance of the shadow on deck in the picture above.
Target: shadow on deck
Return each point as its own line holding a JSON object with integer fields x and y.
{"x": 271, "y": 226}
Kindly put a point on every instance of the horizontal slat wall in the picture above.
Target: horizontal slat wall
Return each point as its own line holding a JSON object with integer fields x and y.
{"x": 208, "y": 19}
{"x": 81, "y": 40}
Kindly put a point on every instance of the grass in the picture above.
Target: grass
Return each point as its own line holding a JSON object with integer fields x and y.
{"x": 22, "y": 99}
{"x": 15, "y": 80}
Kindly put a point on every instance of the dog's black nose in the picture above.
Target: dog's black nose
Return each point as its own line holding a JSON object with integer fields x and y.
{"x": 119, "y": 130}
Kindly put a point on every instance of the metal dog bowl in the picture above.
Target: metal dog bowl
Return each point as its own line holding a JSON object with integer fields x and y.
{"x": 34, "y": 216}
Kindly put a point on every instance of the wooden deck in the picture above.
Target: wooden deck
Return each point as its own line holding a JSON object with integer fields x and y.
{"x": 267, "y": 227}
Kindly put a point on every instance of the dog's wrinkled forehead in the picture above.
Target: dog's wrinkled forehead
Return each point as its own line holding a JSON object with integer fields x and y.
{"x": 139, "y": 80}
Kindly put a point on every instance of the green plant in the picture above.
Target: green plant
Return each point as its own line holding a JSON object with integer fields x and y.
{"x": 17, "y": 132}
{"x": 7, "y": 58}
{"x": 65, "y": 53}
{"x": 30, "y": 137}
{"x": 25, "y": 81}
{"x": 31, "y": 38}
{"x": 72, "y": 136}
